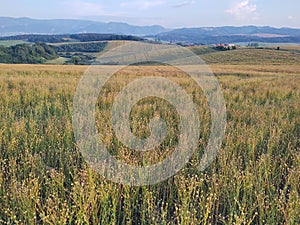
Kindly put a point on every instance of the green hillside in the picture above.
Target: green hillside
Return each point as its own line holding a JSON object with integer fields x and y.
{"x": 24, "y": 53}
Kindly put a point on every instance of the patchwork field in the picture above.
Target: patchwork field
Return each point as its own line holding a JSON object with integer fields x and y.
{"x": 254, "y": 180}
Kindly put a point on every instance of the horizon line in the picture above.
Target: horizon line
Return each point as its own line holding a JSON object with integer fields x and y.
{"x": 174, "y": 28}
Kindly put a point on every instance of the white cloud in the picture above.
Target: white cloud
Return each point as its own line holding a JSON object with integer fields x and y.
{"x": 291, "y": 17}
{"x": 142, "y": 5}
{"x": 184, "y": 3}
{"x": 84, "y": 8}
{"x": 243, "y": 10}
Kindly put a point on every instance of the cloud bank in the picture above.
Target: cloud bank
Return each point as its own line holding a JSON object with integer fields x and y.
{"x": 243, "y": 10}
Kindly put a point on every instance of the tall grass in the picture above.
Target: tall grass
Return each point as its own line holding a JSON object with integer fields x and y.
{"x": 254, "y": 180}
{"x": 253, "y": 57}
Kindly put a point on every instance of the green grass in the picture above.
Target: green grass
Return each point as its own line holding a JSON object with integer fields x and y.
{"x": 254, "y": 180}
{"x": 58, "y": 61}
{"x": 12, "y": 43}
{"x": 201, "y": 50}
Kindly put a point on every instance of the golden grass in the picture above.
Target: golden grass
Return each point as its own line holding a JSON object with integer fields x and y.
{"x": 297, "y": 47}
{"x": 254, "y": 180}
{"x": 252, "y": 57}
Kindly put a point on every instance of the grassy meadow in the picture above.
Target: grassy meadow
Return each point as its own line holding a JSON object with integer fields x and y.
{"x": 254, "y": 180}
{"x": 8, "y": 43}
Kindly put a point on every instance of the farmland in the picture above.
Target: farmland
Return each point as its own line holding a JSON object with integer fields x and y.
{"x": 254, "y": 180}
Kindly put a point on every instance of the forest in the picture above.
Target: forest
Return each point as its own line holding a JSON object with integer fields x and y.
{"x": 84, "y": 37}
{"x": 84, "y": 47}
{"x": 24, "y": 53}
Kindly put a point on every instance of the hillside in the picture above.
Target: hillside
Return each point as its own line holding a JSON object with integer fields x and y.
{"x": 227, "y": 34}
{"x": 252, "y": 56}
{"x": 24, "y": 53}
{"x": 67, "y": 48}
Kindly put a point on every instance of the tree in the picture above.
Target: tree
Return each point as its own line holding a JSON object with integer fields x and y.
{"x": 75, "y": 60}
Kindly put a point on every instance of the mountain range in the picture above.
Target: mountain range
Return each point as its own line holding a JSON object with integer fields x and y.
{"x": 202, "y": 35}
{"x": 210, "y": 35}
{"x": 15, "y": 26}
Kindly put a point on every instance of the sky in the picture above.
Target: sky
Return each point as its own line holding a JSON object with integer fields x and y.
{"x": 168, "y": 13}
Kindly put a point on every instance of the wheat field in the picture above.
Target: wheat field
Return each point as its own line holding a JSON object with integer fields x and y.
{"x": 254, "y": 180}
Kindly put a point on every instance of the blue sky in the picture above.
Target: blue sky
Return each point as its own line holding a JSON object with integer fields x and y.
{"x": 169, "y": 13}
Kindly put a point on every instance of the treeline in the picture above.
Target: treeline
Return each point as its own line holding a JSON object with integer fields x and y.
{"x": 24, "y": 53}
{"x": 104, "y": 37}
{"x": 84, "y": 47}
{"x": 41, "y": 52}
{"x": 39, "y": 38}
{"x": 72, "y": 38}
{"x": 80, "y": 59}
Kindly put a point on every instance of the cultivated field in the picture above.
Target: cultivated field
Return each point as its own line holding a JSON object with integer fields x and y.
{"x": 254, "y": 180}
